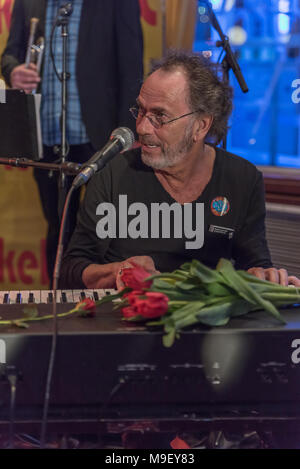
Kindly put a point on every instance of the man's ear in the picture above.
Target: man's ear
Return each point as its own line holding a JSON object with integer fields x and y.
{"x": 202, "y": 126}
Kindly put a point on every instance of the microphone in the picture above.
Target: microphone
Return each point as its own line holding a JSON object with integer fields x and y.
{"x": 121, "y": 139}
{"x": 66, "y": 9}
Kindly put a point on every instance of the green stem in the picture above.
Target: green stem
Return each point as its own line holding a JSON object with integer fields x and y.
{"x": 39, "y": 318}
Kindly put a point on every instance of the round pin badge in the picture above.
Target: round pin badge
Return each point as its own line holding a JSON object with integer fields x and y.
{"x": 220, "y": 206}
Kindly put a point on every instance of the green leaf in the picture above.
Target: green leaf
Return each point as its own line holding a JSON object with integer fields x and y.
{"x": 216, "y": 315}
{"x": 30, "y": 311}
{"x": 204, "y": 273}
{"x": 244, "y": 290}
{"x": 191, "y": 308}
{"x": 137, "y": 318}
{"x": 169, "y": 338}
{"x": 218, "y": 289}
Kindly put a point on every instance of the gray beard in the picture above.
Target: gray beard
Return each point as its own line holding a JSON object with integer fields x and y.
{"x": 171, "y": 156}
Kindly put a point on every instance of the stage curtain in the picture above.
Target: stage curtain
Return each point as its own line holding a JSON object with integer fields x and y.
{"x": 180, "y": 23}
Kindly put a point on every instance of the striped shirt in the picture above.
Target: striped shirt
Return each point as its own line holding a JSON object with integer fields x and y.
{"x": 51, "y": 86}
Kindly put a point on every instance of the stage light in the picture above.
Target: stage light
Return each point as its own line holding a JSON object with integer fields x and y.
{"x": 237, "y": 35}
{"x": 284, "y": 6}
{"x": 229, "y": 5}
{"x": 216, "y": 4}
{"x": 283, "y": 23}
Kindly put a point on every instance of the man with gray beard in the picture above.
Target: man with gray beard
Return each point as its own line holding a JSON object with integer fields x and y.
{"x": 181, "y": 116}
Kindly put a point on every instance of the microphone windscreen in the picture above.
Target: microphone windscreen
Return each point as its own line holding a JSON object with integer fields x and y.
{"x": 125, "y": 135}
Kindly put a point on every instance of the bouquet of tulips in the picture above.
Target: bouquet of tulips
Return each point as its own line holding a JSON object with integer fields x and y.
{"x": 196, "y": 294}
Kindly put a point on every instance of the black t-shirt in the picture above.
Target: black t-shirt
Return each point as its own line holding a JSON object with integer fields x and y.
{"x": 227, "y": 219}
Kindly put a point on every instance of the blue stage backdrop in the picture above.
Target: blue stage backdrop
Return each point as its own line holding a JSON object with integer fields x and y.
{"x": 265, "y": 36}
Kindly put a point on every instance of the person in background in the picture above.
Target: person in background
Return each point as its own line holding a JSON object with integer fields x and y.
{"x": 105, "y": 63}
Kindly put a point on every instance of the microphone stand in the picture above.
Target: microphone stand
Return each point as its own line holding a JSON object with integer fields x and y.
{"x": 67, "y": 168}
{"x": 229, "y": 61}
{"x": 62, "y": 19}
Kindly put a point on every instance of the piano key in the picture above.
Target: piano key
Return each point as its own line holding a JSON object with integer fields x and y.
{"x": 19, "y": 298}
{"x": 95, "y": 295}
{"x": 31, "y": 298}
{"x": 63, "y": 297}
{"x": 109, "y": 292}
{"x": 36, "y": 296}
{"x": 89, "y": 294}
{"x": 82, "y": 295}
{"x": 77, "y": 296}
{"x": 101, "y": 293}
{"x": 58, "y": 296}
{"x": 13, "y": 297}
{"x": 68, "y": 294}
{"x": 44, "y": 296}
{"x": 4, "y": 297}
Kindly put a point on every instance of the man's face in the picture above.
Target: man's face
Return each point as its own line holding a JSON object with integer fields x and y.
{"x": 165, "y": 94}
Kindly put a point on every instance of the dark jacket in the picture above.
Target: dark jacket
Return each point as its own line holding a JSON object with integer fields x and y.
{"x": 109, "y": 59}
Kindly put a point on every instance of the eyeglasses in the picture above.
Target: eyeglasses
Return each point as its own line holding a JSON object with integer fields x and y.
{"x": 156, "y": 120}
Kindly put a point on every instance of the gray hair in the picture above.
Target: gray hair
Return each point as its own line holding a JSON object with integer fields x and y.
{"x": 206, "y": 90}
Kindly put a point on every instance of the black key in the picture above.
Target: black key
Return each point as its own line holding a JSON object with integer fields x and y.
{"x": 107, "y": 293}
{"x": 96, "y": 296}
{"x": 82, "y": 294}
{"x": 64, "y": 297}
{"x": 19, "y": 298}
{"x": 6, "y": 299}
{"x": 50, "y": 297}
{"x": 31, "y": 298}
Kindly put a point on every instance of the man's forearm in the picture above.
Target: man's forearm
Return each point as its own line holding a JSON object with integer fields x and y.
{"x": 101, "y": 276}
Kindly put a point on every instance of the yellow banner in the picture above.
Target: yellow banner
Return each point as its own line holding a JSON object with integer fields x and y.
{"x": 152, "y": 19}
{"x": 22, "y": 232}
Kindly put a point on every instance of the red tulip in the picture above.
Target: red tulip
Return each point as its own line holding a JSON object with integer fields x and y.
{"x": 134, "y": 278}
{"x": 148, "y": 305}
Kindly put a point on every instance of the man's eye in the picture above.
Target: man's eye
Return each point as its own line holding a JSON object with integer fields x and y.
{"x": 159, "y": 117}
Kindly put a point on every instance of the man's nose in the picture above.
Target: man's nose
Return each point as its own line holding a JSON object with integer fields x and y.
{"x": 144, "y": 126}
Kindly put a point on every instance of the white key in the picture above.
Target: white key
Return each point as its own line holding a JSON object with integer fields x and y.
{"x": 110, "y": 292}
{"x": 77, "y": 296}
{"x": 13, "y": 296}
{"x": 45, "y": 295}
{"x": 58, "y": 296}
{"x": 36, "y": 295}
{"x": 89, "y": 294}
{"x": 24, "y": 296}
{"x": 69, "y": 295}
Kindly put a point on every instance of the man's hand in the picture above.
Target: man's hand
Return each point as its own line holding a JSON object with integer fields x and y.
{"x": 275, "y": 275}
{"x": 108, "y": 275}
{"x": 23, "y": 78}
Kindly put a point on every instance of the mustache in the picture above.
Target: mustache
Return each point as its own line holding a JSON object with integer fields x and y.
{"x": 148, "y": 141}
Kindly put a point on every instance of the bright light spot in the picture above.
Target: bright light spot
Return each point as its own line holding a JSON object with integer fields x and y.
{"x": 283, "y": 23}
{"x": 201, "y": 10}
{"x": 252, "y": 141}
{"x": 284, "y": 6}
{"x": 229, "y": 5}
{"x": 204, "y": 19}
{"x": 206, "y": 53}
{"x": 216, "y": 4}
{"x": 237, "y": 35}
